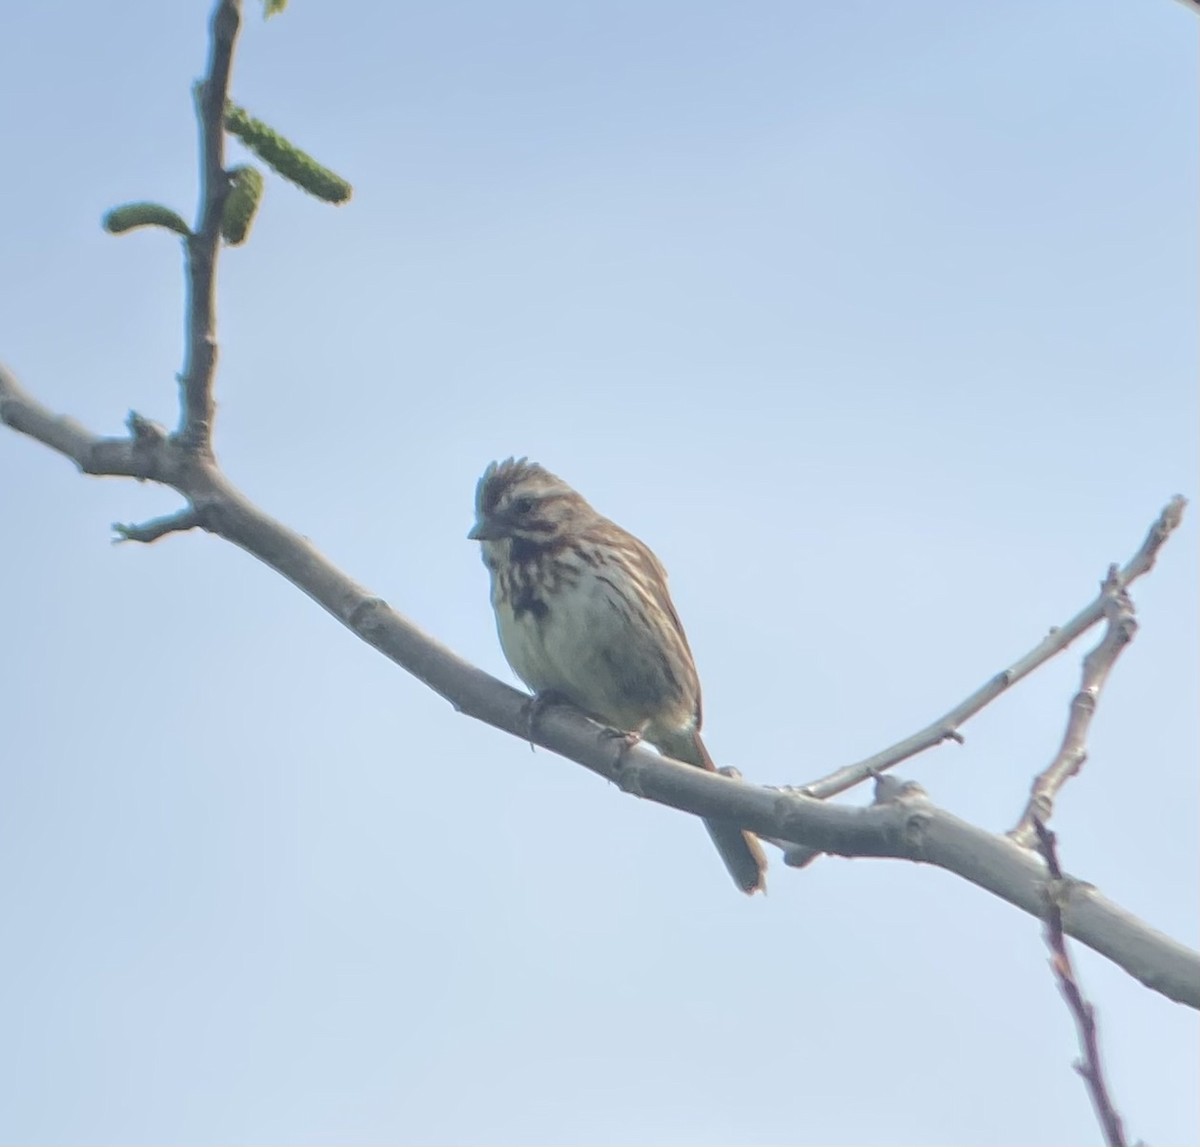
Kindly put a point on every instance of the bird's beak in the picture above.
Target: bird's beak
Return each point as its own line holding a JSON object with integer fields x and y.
{"x": 486, "y": 530}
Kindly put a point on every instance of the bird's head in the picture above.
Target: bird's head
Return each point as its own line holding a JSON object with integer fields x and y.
{"x": 522, "y": 501}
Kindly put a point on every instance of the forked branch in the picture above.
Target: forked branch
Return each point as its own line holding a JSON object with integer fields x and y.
{"x": 946, "y": 727}
{"x": 1118, "y": 609}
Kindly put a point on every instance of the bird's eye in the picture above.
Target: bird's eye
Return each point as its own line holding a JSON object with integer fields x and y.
{"x": 523, "y": 506}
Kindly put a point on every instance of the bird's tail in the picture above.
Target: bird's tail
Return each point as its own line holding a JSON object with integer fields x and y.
{"x": 741, "y": 851}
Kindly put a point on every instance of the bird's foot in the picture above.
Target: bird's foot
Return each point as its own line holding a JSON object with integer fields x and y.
{"x": 628, "y": 739}
{"x": 624, "y": 740}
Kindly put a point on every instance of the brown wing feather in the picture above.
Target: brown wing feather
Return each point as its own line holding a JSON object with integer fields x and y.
{"x": 652, "y": 580}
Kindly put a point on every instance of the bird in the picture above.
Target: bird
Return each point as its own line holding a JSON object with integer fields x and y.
{"x": 584, "y": 615}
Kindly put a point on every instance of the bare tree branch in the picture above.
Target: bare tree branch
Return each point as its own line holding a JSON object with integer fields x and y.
{"x": 1090, "y": 1066}
{"x": 115, "y": 457}
{"x": 903, "y": 824}
{"x": 946, "y": 727}
{"x": 1073, "y": 752}
{"x": 904, "y": 828}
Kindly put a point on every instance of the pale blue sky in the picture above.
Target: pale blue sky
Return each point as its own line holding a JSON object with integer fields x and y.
{"x": 876, "y": 322}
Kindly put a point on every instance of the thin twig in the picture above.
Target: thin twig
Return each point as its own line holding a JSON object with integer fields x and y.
{"x": 151, "y": 531}
{"x": 1090, "y": 1067}
{"x": 1097, "y": 665}
{"x": 946, "y": 727}
{"x": 204, "y": 244}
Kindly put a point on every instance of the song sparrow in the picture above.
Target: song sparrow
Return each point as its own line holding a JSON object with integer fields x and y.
{"x": 583, "y": 612}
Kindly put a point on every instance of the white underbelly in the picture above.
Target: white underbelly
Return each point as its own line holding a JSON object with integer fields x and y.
{"x": 578, "y": 647}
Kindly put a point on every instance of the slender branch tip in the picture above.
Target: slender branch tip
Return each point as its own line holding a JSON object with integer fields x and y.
{"x": 188, "y": 518}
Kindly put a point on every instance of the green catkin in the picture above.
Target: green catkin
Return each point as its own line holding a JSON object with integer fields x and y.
{"x": 281, "y": 154}
{"x": 245, "y": 194}
{"x": 131, "y": 215}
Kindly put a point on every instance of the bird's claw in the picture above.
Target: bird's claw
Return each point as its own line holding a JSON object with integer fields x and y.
{"x": 625, "y": 740}
{"x": 625, "y": 779}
